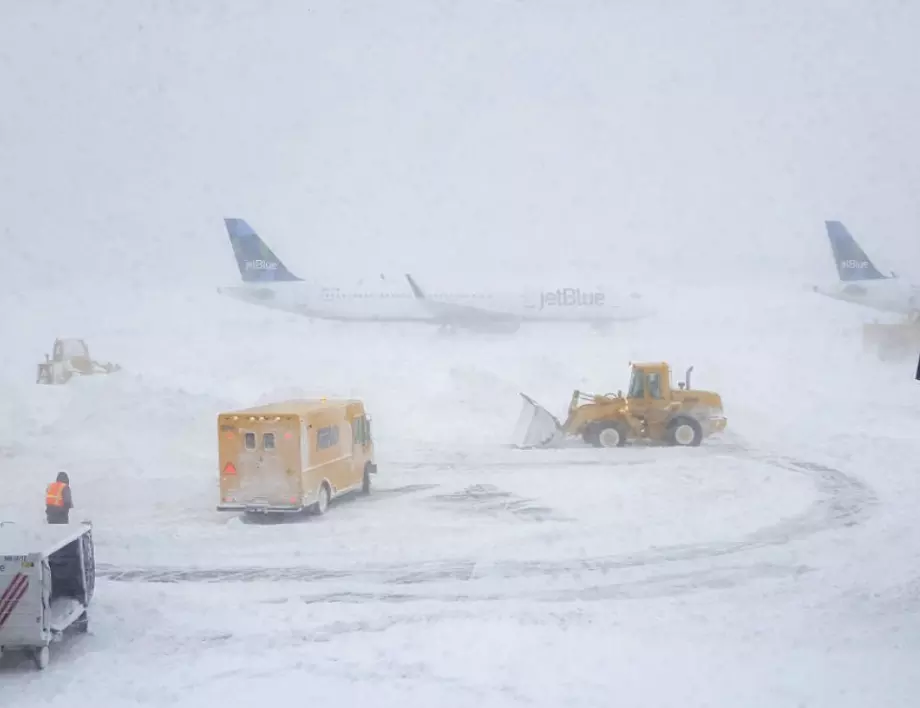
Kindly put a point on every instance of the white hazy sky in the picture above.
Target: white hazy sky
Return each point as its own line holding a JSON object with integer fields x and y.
{"x": 673, "y": 140}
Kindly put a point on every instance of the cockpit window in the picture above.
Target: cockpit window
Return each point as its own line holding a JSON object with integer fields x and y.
{"x": 637, "y": 385}
{"x": 654, "y": 385}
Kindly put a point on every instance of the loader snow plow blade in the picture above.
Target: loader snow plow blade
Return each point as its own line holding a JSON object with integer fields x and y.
{"x": 536, "y": 426}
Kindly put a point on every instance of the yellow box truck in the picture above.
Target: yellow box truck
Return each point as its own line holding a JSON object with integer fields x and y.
{"x": 295, "y": 455}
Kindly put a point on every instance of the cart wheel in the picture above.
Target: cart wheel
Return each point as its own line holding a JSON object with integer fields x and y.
{"x": 42, "y": 657}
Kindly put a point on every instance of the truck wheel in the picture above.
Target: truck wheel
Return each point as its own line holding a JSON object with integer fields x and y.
{"x": 41, "y": 657}
{"x": 366, "y": 482}
{"x": 685, "y": 432}
{"x": 322, "y": 500}
{"x": 610, "y": 435}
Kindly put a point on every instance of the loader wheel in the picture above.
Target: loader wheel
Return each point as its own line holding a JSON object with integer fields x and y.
{"x": 685, "y": 432}
{"x": 609, "y": 435}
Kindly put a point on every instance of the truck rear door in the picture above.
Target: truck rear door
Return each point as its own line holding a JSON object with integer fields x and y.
{"x": 267, "y": 476}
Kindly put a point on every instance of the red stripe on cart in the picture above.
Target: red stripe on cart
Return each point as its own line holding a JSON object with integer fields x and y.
{"x": 12, "y": 595}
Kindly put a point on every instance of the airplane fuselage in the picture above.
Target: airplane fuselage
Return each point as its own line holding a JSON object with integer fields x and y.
{"x": 267, "y": 282}
{"x": 566, "y": 304}
{"x": 889, "y": 295}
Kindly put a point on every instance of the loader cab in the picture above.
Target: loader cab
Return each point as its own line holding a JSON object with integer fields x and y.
{"x": 74, "y": 352}
{"x": 649, "y": 382}
{"x": 69, "y": 349}
{"x": 649, "y": 400}
{"x": 636, "y": 384}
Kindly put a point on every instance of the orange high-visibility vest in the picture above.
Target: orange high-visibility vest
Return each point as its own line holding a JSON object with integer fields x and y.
{"x": 54, "y": 496}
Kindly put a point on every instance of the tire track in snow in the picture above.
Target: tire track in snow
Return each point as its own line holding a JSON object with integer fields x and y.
{"x": 843, "y": 500}
{"x": 660, "y": 585}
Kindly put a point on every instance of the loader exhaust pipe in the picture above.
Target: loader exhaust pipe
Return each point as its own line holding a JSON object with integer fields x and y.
{"x": 689, "y": 371}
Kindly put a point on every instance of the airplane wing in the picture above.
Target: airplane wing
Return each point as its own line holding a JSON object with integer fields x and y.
{"x": 465, "y": 316}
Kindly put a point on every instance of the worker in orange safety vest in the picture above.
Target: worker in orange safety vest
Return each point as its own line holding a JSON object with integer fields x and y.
{"x": 58, "y": 500}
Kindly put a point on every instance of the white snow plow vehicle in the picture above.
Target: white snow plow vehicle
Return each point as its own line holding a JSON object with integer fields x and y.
{"x": 47, "y": 578}
{"x": 70, "y": 357}
{"x": 892, "y": 341}
{"x": 651, "y": 412}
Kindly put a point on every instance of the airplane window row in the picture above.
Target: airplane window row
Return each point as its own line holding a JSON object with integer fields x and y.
{"x": 437, "y": 296}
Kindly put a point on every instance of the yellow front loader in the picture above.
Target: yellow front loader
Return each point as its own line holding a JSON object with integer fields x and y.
{"x": 651, "y": 411}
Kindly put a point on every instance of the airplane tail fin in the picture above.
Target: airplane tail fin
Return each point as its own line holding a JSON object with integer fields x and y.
{"x": 256, "y": 261}
{"x": 852, "y": 262}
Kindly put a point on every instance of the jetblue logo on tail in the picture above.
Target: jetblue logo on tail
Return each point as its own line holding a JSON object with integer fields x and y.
{"x": 261, "y": 265}
{"x": 852, "y": 262}
{"x": 255, "y": 260}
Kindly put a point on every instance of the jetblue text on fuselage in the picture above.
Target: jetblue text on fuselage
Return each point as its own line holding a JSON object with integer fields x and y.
{"x": 570, "y": 297}
{"x": 853, "y": 263}
{"x": 261, "y": 265}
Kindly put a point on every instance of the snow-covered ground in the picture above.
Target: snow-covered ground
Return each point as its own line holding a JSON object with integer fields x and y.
{"x": 688, "y": 155}
{"x": 776, "y": 566}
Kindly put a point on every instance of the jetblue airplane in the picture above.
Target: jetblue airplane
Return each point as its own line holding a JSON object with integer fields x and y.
{"x": 862, "y": 283}
{"x": 267, "y": 282}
